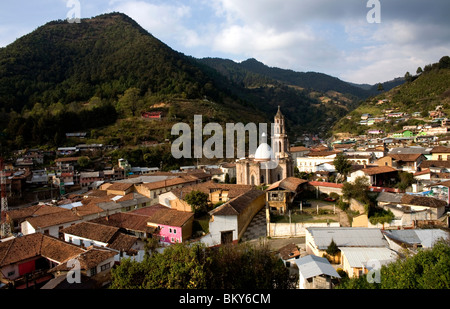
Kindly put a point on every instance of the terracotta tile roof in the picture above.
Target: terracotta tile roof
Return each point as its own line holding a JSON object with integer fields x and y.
{"x": 440, "y": 149}
{"x": 289, "y": 251}
{"x": 35, "y": 245}
{"x": 53, "y": 219}
{"x": 119, "y": 186}
{"x": 36, "y": 210}
{"x": 290, "y": 183}
{"x": 168, "y": 182}
{"x": 91, "y": 230}
{"x": 406, "y": 157}
{"x": 122, "y": 242}
{"x": 210, "y": 186}
{"x": 129, "y": 221}
{"x": 162, "y": 215}
{"x": 88, "y": 209}
{"x": 409, "y": 199}
{"x": 298, "y": 149}
{"x": 378, "y": 170}
{"x": 238, "y": 204}
{"x": 434, "y": 163}
{"x": 67, "y": 159}
{"x": 88, "y": 259}
{"x": 322, "y": 153}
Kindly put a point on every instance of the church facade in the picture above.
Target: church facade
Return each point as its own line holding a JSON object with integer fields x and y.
{"x": 268, "y": 164}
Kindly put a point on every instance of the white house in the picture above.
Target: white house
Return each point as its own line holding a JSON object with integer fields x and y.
{"x": 49, "y": 224}
{"x": 315, "y": 272}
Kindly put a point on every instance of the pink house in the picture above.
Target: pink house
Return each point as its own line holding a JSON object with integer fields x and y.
{"x": 174, "y": 225}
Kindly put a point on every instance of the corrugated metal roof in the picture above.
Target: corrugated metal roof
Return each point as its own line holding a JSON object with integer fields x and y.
{"x": 426, "y": 237}
{"x": 312, "y": 265}
{"x": 347, "y": 237}
{"x": 359, "y": 257}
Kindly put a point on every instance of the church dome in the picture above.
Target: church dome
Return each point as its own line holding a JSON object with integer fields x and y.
{"x": 263, "y": 153}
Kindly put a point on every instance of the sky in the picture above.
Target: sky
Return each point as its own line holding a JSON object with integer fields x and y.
{"x": 359, "y": 41}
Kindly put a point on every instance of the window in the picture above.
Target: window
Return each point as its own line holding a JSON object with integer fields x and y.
{"x": 174, "y": 231}
{"x": 93, "y": 271}
{"x": 104, "y": 267}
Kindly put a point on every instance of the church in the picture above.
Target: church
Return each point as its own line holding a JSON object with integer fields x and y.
{"x": 268, "y": 164}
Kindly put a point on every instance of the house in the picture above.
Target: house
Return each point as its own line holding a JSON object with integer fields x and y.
{"x": 281, "y": 194}
{"x": 25, "y": 261}
{"x": 218, "y": 193}
{"x": 50, "y": 223}
{"x": 224, "y": 169}
{"x": 315, "y": 272}
{"x": 230, "y": 220}
{"x": 410, "y": 208}
{"x": 412, "y": 239}
{"x": 173, "y": 226}
{"x": 357, "y": 261}
{"x": 152, "y": 115}
{"x": 440, "y": 190}
{"x": 89, "y": 178}
{"x": 298, "y": 151}
{"x": 404, "y": 162}
{"x": 288, "y": 254}
{"x": 66, "y": 164}
{"x": 129, "y": 223}
{"x": 377, "y": 176}
{"x": 16, "y": 216}
{"x": 88, "y": 234}
{"x": 308, "y": 163}
{"x": 152, "y": 190}
{"x": 318, "y": 239}
{"x": 94, "y": 264}
{"x": 440, "y": 153}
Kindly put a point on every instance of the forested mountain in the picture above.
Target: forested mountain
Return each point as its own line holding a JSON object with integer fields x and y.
{"x": 100, "y": 74}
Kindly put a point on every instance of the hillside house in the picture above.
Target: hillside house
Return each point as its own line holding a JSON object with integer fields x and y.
{"x": 440, "y": 153}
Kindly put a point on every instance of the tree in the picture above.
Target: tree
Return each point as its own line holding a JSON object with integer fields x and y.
{"x": 332, "y": 248}
{"x": 198, "y": 201}
{"x": 83, "y": 161}
{"x": 195, "y": 266}
{"x": 130, "y": 101}
{"x": 357, "y": 190}
{"x": 380, "y": 87}
{"x": 419, "y": 70}
{"x": 408, "y": 77}
{"x": 342, "y": 164}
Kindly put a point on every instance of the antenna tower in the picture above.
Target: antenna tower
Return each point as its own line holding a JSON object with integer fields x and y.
{"x": 5, "y": 230}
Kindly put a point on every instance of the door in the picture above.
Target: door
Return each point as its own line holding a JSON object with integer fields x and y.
{"x": 226, "y": 237}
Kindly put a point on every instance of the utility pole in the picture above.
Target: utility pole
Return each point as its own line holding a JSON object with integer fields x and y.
{"x": 5, "y": 230}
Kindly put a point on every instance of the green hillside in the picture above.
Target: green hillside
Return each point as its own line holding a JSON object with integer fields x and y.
{"x": 419, "y": 95}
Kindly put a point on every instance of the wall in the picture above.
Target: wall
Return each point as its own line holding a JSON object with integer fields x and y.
{"x": 294, "y": 229}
